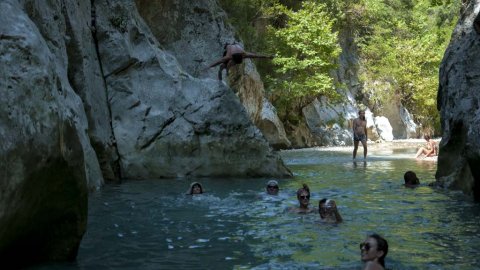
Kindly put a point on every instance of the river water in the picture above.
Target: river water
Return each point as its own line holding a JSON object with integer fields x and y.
{"x": 151, "y": 224}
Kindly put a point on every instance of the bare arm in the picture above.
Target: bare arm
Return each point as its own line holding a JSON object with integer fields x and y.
{"x": 219, "y": 61}
{"x": 253, "y": 55}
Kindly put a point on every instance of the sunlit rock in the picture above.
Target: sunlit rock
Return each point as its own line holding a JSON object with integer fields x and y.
{"x": 195, "y": 32}
{"x": 166, "y": 122}
{"x": 384, "y": 128}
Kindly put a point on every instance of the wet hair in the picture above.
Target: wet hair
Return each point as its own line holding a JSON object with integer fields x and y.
{"x": 411, "y": 178}
{"x": 192, "y": 185}
{"x": 272, "y": 183}
{"x": 426, "y": 137}
{"x": 382, "y": 245}
{"x": 237, "y": 58}
{"x": 304, "y": 188}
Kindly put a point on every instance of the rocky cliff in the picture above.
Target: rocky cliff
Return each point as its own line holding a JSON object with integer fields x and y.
{"x": 459, "y": 106}
{"x": 88, "y": 93}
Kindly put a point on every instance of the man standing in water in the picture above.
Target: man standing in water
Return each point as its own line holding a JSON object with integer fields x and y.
{"x": 360, "y": 133}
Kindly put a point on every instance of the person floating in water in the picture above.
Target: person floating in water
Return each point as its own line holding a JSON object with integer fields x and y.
{"x": 360, "y": 133}
{"x": 195, "y": 188}
{"x": 430, "y": 149}
{"x": 303, "y": 197}
{"x": 272, "y": 187}
{"x": 328, "y": 211}
{"x": 233, "y": 54}
{"x": 373, "y": 252}
{"x": 411, "y": 179}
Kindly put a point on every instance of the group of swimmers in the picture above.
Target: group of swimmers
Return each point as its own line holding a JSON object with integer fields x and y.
{"x": 373, "y": 250}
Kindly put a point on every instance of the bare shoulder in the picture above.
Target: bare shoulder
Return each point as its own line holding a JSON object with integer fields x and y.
{"x": 373, "y": 266}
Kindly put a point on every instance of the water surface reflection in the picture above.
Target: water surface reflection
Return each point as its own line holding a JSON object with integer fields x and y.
{"x": 234, "y": 225}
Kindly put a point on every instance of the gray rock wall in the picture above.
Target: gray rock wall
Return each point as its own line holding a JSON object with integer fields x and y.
{"x": 87, "y": 92}
{"x": 47, "y": 159}
{"x": 166, "y": 122}
{"x": 195, "y": 32}
{"x": 459, "y": 105}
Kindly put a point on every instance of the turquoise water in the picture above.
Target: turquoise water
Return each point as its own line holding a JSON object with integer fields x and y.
{"x": 151, "y": 224}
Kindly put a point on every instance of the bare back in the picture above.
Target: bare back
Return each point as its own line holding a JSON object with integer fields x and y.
{"x": 234, "y": 49}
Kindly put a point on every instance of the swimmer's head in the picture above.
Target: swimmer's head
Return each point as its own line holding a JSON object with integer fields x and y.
{"x": 195, "y": 188}
{"x": 272, "y": 187}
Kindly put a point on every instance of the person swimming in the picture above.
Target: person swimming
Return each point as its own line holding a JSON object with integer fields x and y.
{"x": 195, "y": 188}
{"x": 272, "y": 187}
{"x": 303, "y": 197}
{"x": 373, "y": 252}
{"x": 328, "y": 211}
{"x": 411, "y": 179}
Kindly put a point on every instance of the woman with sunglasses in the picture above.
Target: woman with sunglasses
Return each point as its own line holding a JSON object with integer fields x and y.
{"x": 373, "y": 252}
{"x": 272, "y": 187}
{"x": 303, "y": 197}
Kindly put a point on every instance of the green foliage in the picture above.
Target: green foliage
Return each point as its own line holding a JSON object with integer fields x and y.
{"x": 405, "y": 47}
{"x": 401, "y": 44}
{"x": 306, "y": 49}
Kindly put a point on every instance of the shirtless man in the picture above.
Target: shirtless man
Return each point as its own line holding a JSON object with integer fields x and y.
{"x": 360, "y": 133}
{"x": 234, "y": 54}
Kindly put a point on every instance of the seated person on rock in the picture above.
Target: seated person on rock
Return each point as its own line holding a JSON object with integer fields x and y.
{"x": 328, "y": 211}
{"x": 430, "y": 149}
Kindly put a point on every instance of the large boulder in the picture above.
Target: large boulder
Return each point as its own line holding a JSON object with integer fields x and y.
{"x": 47, "y": 159}
{"x": 166, "y": 122}
{"x": 195, "y": 32}
{"x": 458, "y": 102}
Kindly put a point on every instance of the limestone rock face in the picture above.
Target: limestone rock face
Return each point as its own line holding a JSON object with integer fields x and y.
{"x": 458, "y": 102}
{"x": 195, "y": 32}
{"x": 67, "y": 31}
{"x": 166, "y": 122}
{"x": 384, "y": 128}
{"x": 47, "y": 159}
{"x": 272, "y": 128}
{"x": 332, "y": 124}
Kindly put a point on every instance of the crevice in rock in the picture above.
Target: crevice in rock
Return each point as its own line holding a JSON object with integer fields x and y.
{"x": 158, "y": 133}
{"x": 116, "y": 163}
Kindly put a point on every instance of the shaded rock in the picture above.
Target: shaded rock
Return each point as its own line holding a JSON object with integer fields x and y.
{"x": 47, "y": 159}
{"x": 67, "y": 29}
{"x": 459, "y": 105}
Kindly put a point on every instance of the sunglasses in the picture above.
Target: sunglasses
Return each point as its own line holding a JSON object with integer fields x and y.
{"x": 305, "y": 197}
{"x": 272, "y": 187}
{"x": 365, "y": 245}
